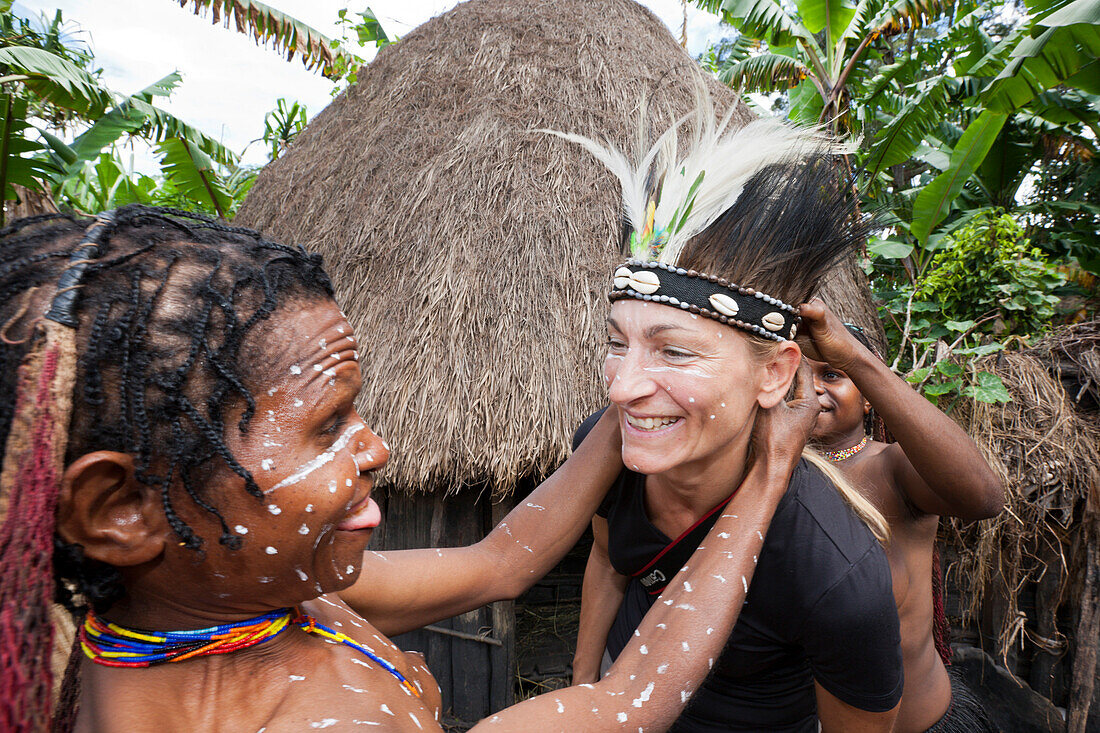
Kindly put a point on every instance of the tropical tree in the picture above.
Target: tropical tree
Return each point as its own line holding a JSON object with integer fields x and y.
{"x": 954, "y": 119}
{"x": 48, "y": 87}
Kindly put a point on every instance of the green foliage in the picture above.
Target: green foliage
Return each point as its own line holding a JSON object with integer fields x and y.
{"x": 987, "y": 268}
{"x": 16, "y": 166}
{"x": 366, "y": 30}
{"x": 934, "y": 201}
{"x": 956, "y": 109}
{"x": 282, "y": 125}
{"x": 48, "y": 87}
{"x": 984, "y": 288}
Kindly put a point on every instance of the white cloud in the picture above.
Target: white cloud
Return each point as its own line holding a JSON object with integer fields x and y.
{"x": 229, "y": 83}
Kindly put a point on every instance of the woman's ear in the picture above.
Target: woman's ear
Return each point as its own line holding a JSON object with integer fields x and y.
{"x": 779, "y": 374}
{"x": 103, "y": 507}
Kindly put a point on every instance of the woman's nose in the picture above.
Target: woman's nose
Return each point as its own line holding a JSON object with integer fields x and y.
{"x": 630, "y": 382}
{"x": 372, "y": 454}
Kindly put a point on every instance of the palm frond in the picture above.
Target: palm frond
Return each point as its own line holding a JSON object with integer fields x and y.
{"x": 898, "y": 140}
{"x": 905, "y": 15}
{"x": 55, "y": 79}
{"x": 193, "y": 173}
{"x": 769, "y": 21}
{"x": 286, "y": 34}
{"x": 767, "y": 72}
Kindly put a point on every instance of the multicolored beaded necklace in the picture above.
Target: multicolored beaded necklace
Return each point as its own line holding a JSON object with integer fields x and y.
{"x": 115, "y": 646}
{"x": 845, "y": 453}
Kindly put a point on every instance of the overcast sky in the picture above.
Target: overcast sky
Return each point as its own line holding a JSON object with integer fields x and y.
{"x": 229, "y": 83}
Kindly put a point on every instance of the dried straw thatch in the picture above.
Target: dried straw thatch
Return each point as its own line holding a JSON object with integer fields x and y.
{"x": 470, "y": 252}
{"x": 1045, "y": 445}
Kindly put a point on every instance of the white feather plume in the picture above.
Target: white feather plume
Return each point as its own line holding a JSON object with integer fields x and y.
{"x": 727, "y": 160}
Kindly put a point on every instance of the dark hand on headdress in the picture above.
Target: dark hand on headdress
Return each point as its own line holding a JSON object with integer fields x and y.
{"x": 824, "y": 337}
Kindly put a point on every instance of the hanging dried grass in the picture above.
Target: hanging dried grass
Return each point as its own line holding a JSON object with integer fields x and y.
{"x": 1047, "y": 453}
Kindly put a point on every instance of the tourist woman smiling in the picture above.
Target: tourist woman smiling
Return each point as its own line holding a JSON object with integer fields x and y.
{"x": 729, "y": 232}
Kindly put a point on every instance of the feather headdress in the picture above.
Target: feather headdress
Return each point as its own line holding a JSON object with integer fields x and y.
{"x": 756, "y": 208}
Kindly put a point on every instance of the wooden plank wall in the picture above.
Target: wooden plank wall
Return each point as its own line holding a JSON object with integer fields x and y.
{"x": 476, "y": 678}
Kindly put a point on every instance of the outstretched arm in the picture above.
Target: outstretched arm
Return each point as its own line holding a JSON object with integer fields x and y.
{"x": 934, "y": 462}
{"x": 683, "y": 633}
{"x": 424, "y": 586}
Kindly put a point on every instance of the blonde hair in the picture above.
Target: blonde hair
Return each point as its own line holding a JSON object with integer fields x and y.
{"x": 863, "y": 508}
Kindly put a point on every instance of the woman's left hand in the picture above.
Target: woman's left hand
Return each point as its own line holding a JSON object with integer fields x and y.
{"x": 823, "y": 336}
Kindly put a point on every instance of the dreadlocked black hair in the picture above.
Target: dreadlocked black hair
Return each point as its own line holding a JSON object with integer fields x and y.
{"x": 162, "y": 316}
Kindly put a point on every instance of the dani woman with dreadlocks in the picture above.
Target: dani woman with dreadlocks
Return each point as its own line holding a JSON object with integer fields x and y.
{"x": 729, "y": 232}
{"x": 167, "y": 382}
{"x": 933, "y": 469}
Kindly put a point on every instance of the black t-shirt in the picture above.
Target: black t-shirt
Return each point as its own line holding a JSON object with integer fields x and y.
{"x": 820, "y": 607}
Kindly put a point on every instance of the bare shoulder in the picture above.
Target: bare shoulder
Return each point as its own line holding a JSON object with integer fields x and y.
{"x": 873, "y": 471}
{"x": 353, "y": 688}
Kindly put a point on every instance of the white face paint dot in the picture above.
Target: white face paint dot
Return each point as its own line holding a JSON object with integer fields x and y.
{"x": 684, "y": 645}
{"x": 271, "y": 392}
{"x": 643, "y": 650}
{"x": 324, "y": 343}
{"x": 687, "y": 587}
{"x": 295, "y": 369}
{"x": 271, "y": 550}
{"x": 303, "y": 529}
{"x": 350, "y": 570}
{"x": 240, "y": 529}
{"x": 296, "y": 678}
{"x": 332, "y": 486}
{"x": 712, "y": 417}
{"x": 309, "y": 508}
{"x": 691, "y": 399}
{"x": 621, "y": 717}
{"x": 273, "y": 509}
{"x": 298, "y": 402}
{"x": 317, "y": 367}
{"x": 266, "y": 464}
{"x": 644, "y": 697}
{"x": 723, "y": 404}
{"x": 301, "y": 574}
{"x": 348, "y": 483}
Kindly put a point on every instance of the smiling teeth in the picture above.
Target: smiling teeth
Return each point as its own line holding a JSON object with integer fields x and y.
{"x": 650, "y": 423}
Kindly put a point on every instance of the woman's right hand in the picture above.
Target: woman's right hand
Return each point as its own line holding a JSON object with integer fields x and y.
{"x": 781, "y": 432}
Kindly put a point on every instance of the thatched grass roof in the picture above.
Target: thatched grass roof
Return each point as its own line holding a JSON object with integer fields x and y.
{"x": 471, "y": 253}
